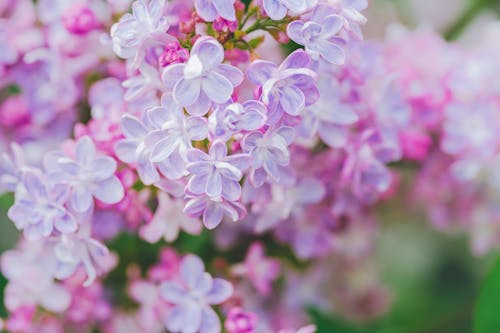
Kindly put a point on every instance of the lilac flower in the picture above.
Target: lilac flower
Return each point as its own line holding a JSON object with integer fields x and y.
{"x": 213, "y": 210}
{"x": 228, "y": 120}
{"x": 30, "y": 270}
{"x": 169, "y": 220}
{"x": 216, "y": 174}
{"x": 40, "y": 208}
{"x": 288, "y": 88}
{"x": 238, "y": 321}
{"x": 328, "y": 117}
{"x": 80, "y": 250}
{"x": 144, "y": 85}
{"x": 365, "y": 173}
{"x": 210, "y": 9}
{"x": 318, "y": 35}
{"x": 133, "y": 149}
{"x": 277, "y": 9}
{"x": 134, "y": 33}
{"x": 11, "y": 167}
{"x": 193, "y": 298}
{"x": 172, "y": 136}
{"x": 260, "y": 270}
{"x": 285, "y": 201}
{"x": 351, "y": 10}
{"x": 203, "y": 79}
{"x": 87, "y": 174}
{"x": 269, "y": 153}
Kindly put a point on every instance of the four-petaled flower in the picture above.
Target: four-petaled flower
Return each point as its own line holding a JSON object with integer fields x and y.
{"x": 216, "y": 174}
{"x": 171, "y": 137}
{"x": 269, "y": 153}
{"x": 193, "y": 298}
{"x": 87, "y": 174}
{"x": 204, "y": 79}
{"x": 168, "y": 221}
{"x": 134, "y": 33}
{"x": 209, "y": 9}
{"x": 288, "y": 88}
{"x": 228, "y": 120}
{"x": 39, "y": 207}
{"x": 213, "y": 210}
{"x": 277, "y": 9}
{"x": 319, "y": 35}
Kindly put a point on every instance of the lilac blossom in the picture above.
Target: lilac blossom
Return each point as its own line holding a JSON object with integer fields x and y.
{"x": 132, "y": 149}
{"x": 169, "y": 220}
{"x": 80, "y": 250}
{"x": 277, "y": 9}
{"x": 172, "y": 135}
{"x": 286, "y": 201}
{"x": 269, "y": 153}
{"x": 260, "y": 270}
{"x": 88, "y": 175}
{"x": 134, "y": 33}
{"x": 351, "y": 10}
{"x": 288, "y": 88}
{"x": 39, "y": 208}
{"x": 238, "y": 321}
{"x": 216, "y": 174}
{"x": 30, "y": 270}
{"x": 319, "y": 35}
{"x": 11, "y": 168}
{"x": 210, "y": 9}
{"x": 227, "y": 120}
{"x": 192, "y": 298}
{"x": 204, "y": 79}
{"x": 329, "y": 117}
{"x": 213, "y": 210}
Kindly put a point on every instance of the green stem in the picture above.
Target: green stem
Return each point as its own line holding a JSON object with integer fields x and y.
{"x": 467, "y": 16}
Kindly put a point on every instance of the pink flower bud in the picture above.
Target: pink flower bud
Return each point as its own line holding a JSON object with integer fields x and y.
{"x": 79, "y": 19}
{"x": 239, "y": 321}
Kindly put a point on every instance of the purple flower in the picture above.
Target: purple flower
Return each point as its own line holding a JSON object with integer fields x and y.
{"x": 285, "y": 201}
{"x": 134, "y": 33}
{"x": 133, "y": 149}
{"x": 209, "y": 9}
{"x": 79, "y": 250}
{"x": 87, "y": 174}
{"x": 351, "y": 10}
{"x": 260, "y": 270}
{"x": 277, "y": 9}
{"x": 213, "y": 210}
{"x": 30, "y": 271}
{"x": 193, "y": 298}
{"x": 40, "y": 208}
{"x": 288, "y": 88}
{"x": 238, "y": 321}
{"x": 169, "y": 220}
{"x": 11, "y": 167}
{"x": 328, "y": 117}
{"x": 269, "y": 153}
{"x": 172, "y": 135}
{"x": 203, "y": 80}
{"x": 216, "y": 174}
{"x": 318, "y": 35}
{"x": 228, "y": 120}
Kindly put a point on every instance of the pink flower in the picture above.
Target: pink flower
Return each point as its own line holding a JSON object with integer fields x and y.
{"x": 260, "y": 270}
{"x": 238, "y": 321}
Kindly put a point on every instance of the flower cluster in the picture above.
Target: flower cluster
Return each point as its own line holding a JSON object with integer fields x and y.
{"x": 181, "y": 122}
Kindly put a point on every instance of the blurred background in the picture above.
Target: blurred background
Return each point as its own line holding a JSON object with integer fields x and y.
{"x": 433, "y": 277}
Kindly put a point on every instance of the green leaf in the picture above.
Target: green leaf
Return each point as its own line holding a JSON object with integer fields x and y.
{"x": 487, "y": 313}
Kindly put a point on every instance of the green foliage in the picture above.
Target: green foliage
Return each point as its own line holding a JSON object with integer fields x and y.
{"x": 487, "y": 312}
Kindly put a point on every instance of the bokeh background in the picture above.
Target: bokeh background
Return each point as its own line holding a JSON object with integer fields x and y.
{"x": 433, "y": 277}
